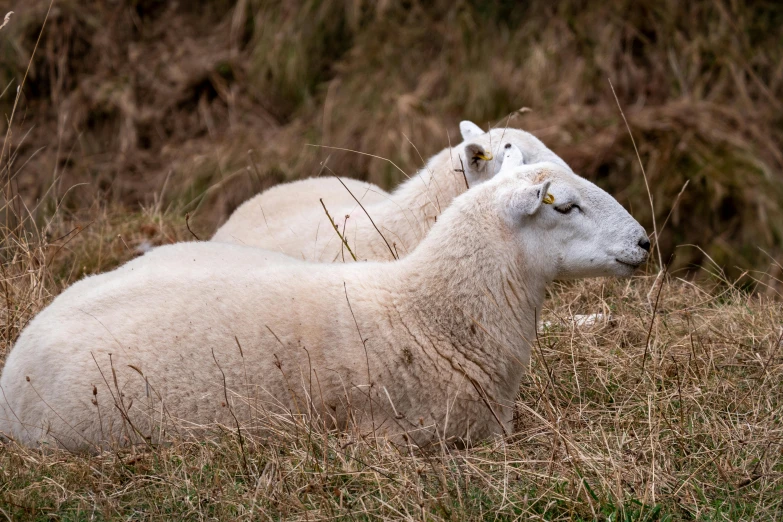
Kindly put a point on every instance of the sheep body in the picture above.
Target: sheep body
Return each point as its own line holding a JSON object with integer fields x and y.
{"x": 86, "y": 334}
{"x": 431, "y": 346}
{"x": 269, "y": 212}
{"x": 289, "y": 217}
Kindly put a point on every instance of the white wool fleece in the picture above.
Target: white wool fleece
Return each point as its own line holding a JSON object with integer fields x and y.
{"x": 431, "y": 346}
{"x": 290, "y": 218}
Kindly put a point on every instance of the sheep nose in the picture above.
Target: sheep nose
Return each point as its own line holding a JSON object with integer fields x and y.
{"x": 645, "y": 244}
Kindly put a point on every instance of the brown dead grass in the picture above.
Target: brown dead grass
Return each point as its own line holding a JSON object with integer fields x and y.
{"x": 649, "y": 416}
{"x": 126, "y": 95}
{"x": 693, "y": 433}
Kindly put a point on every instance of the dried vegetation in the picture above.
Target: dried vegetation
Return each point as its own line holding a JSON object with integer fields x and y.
{"x": 126, "y": 95}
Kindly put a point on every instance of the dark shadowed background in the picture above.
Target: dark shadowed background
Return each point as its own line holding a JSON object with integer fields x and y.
{"x": 157, "y": 102}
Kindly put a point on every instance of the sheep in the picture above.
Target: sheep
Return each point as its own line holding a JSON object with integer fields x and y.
{"x": 290, "y": 218}
{"x": 283, "y": 201}
{"x": 427, "y": 348}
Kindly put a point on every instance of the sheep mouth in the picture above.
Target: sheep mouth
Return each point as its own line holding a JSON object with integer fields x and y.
{"x": 632, "y": 265}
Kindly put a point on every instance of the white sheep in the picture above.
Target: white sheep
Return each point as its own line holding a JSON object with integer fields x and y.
{"x": 290, "y": 218}
{"x": 431, "y": 346}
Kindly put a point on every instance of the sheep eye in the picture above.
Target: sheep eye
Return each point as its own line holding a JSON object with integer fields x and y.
{"x": 567, "y": 209}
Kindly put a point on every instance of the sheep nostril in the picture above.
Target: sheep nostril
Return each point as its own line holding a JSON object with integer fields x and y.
{"x": 645, "y": 244}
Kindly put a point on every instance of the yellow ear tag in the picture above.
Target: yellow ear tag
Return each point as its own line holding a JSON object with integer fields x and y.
{"x": 549, "y": 199}
{"x": 486, "y": 156}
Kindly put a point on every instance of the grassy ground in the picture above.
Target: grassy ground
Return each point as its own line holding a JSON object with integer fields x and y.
{"x": 672, "y": 415}
{"x": 670, "y": 411}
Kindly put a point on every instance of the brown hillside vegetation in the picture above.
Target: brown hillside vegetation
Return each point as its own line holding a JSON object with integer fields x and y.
{"x": 136, "y": 114}
{"x": 134, "y": 97}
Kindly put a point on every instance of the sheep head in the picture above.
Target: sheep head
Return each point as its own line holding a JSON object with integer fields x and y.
{"x": 567, "y": 225}
{"x": 483, "y": 153}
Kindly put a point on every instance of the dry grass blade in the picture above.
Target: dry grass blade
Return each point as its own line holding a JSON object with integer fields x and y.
{"x": 659, "y": 280}
{"x": 644, "y": 175}
{"x": 6, "y": 19}
{"x": 394, "y": 256}
{"x": 337, "y": 230}
{"x": 24, "y": 80}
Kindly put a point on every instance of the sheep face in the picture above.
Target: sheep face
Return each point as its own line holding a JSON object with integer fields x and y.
{"x": 576, "y": 229}
{"x": 483, "y": 153}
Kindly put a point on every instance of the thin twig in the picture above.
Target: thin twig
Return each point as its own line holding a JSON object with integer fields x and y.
{"x": 644, "y": 174}
{"x": 366, "y": 357}
{"x": 231, "y": 411}
{"x": 336, "y": 229}
{"x": 543, "y": 359}
{"x": 365, "y": 212}
{"x": 655, "y": 309}
{"x": 483, "y": 396}
{"x": 462, "y": 169}
{"x": 187, "y": 224}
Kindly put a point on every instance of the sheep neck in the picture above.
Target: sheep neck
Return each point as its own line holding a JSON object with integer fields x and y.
{"x": 416, "y": 204}
{"x": 468, "y": 281}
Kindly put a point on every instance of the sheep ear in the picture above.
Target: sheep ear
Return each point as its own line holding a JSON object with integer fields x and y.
{"x": 469, "y": 130}
{"x": 528, "y": 200}
{"x": 477, "y": 160}
{"x": 512, "y": 158}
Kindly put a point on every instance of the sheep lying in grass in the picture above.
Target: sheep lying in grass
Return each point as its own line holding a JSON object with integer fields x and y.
{"x": 431, "y": 346}
{"x": 286, "y": 200}
{"x": 291, "y": 219}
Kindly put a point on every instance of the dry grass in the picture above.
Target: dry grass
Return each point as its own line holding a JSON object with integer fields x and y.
{"x": 668, "y": 414}
{"x": 695, "y": 434}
